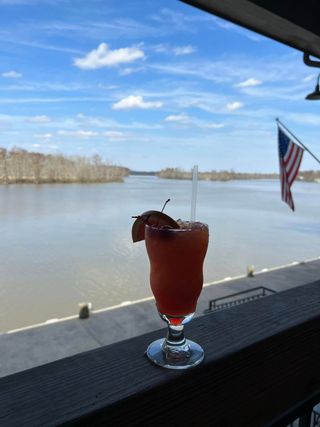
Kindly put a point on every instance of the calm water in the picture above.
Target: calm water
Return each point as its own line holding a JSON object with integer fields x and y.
{"x": 64, "y": 244}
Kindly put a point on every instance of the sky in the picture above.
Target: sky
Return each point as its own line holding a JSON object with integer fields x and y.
{"x": 149, "y": 84}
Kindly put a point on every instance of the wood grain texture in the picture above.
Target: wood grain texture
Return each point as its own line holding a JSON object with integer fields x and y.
{"x": 262, "y": 360}
{"x": 292, "y": 23}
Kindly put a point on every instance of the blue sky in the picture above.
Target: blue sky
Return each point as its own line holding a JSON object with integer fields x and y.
{"x": 149, "y": 84}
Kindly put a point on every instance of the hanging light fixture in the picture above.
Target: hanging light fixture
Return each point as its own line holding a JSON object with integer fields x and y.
{"x": 315, "y": 95}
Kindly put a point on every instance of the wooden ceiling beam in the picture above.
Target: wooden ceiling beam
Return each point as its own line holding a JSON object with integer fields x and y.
{"x": 296, "y": 25}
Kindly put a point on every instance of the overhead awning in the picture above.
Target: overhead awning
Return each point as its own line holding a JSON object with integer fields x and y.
{"x": 294, "y": 23}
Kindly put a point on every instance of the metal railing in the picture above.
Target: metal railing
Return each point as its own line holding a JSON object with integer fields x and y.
{"x": 311, "y": 419}
{"x": 238, "y": 298}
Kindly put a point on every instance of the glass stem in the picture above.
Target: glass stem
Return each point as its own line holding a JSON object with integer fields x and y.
{"x": 175, "y": 335}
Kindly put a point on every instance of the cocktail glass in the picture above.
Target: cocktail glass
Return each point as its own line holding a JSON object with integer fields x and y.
{"x": 176, "y": 276}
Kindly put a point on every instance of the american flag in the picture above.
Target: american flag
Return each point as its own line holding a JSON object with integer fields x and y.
{"x": 290, "y": 156}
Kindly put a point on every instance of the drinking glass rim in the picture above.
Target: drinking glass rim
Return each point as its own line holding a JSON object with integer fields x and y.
{"x": 179, "y": 230}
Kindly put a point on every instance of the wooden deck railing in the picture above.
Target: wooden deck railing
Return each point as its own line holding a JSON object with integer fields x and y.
{"x": 262, "y": 368}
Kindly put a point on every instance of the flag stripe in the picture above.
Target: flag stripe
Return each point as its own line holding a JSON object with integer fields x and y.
{"x": 295, "y": 169}
{"x": 287, "y": 196}
{"x": 292, "y": 164}
{"x": 284, "y": 181}
{"x": 289, "y": 152}
{"x": 289, "y": 162}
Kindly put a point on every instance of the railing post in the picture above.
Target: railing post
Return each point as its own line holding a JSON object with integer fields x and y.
{"x": 305, "y": 420}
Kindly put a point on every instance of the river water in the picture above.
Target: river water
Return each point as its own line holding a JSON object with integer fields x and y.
{"x": 64, "y": 244}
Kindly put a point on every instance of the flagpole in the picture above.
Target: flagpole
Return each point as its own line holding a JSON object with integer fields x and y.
{"x": 298, "y": 140}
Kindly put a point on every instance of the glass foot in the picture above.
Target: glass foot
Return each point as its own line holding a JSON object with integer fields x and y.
{"x": 185, "y": 356}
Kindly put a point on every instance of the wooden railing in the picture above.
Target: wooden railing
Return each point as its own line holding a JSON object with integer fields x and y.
{"x": 262, "y": 368}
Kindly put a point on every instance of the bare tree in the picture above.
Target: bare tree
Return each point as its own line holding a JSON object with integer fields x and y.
{"x": 18, "y": 166}
{"x": 3, "y": 164}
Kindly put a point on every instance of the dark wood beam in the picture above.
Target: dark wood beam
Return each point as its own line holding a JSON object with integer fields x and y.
{"x": 262, "y": 367}
{"x": 295, "y": 24}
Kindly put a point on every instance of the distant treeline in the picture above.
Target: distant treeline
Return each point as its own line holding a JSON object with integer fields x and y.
{"x": 143, "y": 173}
{"x": 176, "y": 173}
{"x": 21, "y": 166}
{"x": 310, "y": 176}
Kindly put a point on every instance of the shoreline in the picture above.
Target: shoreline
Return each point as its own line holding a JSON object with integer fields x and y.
{"x": 28, "y": 182}
{"x": 128, "y": 303}
{"x": 121, "y": 179}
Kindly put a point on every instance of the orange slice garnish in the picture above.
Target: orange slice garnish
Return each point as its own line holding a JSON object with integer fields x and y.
{"x": 154, "y": 218}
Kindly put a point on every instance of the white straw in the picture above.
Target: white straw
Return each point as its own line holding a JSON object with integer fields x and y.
{"x": 194, "y": 192}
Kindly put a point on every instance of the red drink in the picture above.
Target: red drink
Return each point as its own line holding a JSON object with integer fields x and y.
{"x": 176, "y": 260}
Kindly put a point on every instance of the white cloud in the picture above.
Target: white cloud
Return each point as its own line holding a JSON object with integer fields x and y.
{"x": 85, "y": 133}
{"x": 26, "y": 2}
{"x": 183, "y": 50}
{"x": 180, "y": 21}
{"x": 105, "y": 57}
{"x": 249, "y": 82}
{"x": 309, "y": 77}
{"x": 39, "y": 119}
{"x": 12, "y": 74}
{"x": 103, "y": 122}
{"x": 44, "y": 46}
{"x": 305, "y": 118}
{"x": 226, "y": 25}
{"x": 36, "y": 145}
{"x": 53, "y": 100}
{"x": 78, "y": 133}
{"x": 160, "y": 48}
{"x": 135, "y": 102}
{"x": 192, "y": 121}
{"x": 113, "y": 134}
{"x": 176, "y": 50}
{"x": 234, "y": 106}
{"x": 131, "y": 70}
{"x": 43, "y": 135}
{"x": 176, "y": 118}
{"x": 234, "y": 69}
{"x": 215, "y": 125}
{"x": 46, "y": 86}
